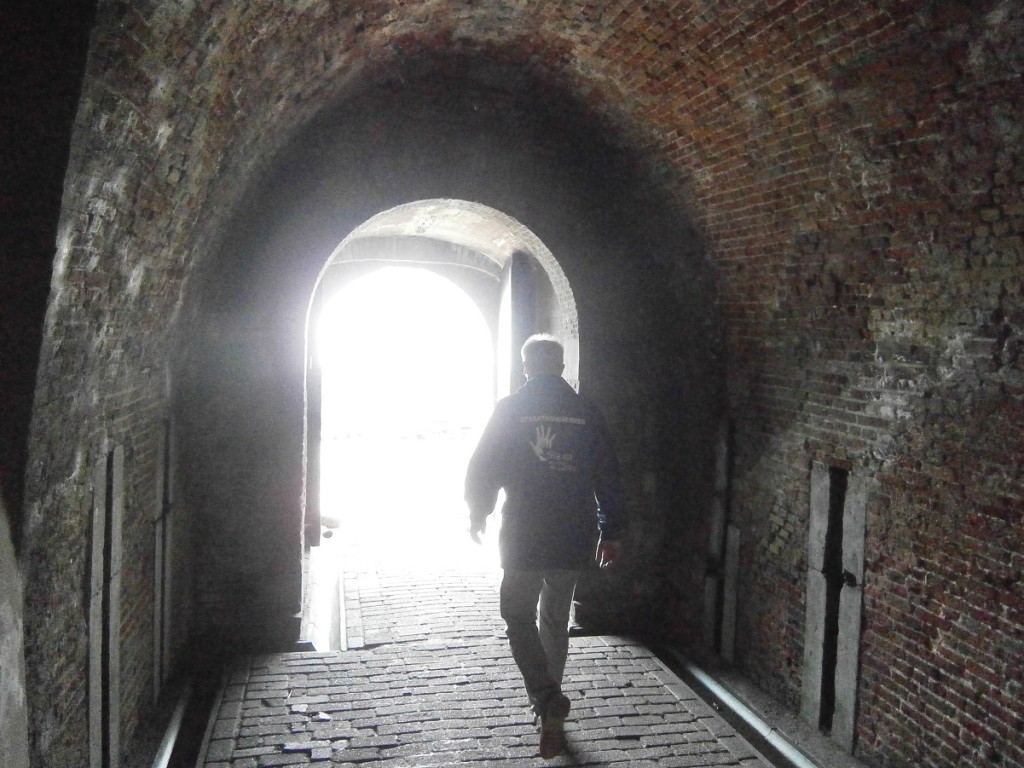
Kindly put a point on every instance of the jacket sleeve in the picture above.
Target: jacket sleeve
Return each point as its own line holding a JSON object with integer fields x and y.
{"x": 611, "y": 508}
{"x": 485, "y": 474}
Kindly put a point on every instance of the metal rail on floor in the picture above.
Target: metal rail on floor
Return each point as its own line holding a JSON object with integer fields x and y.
{"x": 770, "y": 734}
{"x": 166, "y": 748}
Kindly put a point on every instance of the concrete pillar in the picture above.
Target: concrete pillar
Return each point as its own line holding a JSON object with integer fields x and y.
{"x": 97, "y": 580}
{"x": 713, "y": 582}
{"x": 13, "y": 708}
{"x": 113, "y": 624}
{"x": 161, "y": 562}
{"x": 730, "y": 593}
{"x": 814, "y": 639}
{"x": 105, "y": 611}
{"x": 814, "y": 610}
{"x": 850, "y": 602}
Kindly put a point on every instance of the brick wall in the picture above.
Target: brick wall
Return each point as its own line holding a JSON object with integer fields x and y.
{"x": 42, "y": 70}
{"x": 873, "y": 293}
{"x": 102, "y": 382}
{"x": 809, "y": 210}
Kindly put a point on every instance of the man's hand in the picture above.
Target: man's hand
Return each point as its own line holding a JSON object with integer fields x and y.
{"x": 477, "y": 527}
{"x": 608, "y": 553}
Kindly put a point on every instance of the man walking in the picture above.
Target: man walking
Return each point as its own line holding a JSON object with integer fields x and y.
{"x": 548, "y": 447}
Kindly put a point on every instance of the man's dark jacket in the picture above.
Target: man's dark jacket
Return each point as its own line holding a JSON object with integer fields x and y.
{"x": 549, "y": 448}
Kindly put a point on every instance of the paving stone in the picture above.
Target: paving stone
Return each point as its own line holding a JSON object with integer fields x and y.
{"x": 280, "y": 759}
{"x": 220, "y": 749}
{"x": 433, "y": 695}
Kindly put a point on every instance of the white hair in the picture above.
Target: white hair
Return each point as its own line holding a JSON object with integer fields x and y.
{"x": 544, "y": 353}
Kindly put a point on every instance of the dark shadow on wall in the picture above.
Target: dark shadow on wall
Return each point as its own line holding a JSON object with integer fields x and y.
{"x": 614, "y": 218}
{"x": 44, "y": 52}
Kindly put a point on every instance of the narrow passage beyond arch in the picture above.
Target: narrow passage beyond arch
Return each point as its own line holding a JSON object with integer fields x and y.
{"x": 408, "y": 382}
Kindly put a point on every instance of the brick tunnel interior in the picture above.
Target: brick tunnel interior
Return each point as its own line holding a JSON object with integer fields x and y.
{"x": 791, "y": 236}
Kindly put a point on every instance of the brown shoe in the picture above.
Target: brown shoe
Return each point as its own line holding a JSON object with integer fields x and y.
{"x": 552, "y": 726}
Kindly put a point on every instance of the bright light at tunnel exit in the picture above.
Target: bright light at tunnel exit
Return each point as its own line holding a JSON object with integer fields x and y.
{"x": 404, "y": 349}
{"x": 408, "y": 382}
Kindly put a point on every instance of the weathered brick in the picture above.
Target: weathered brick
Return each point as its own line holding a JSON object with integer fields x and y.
{"x": 801, "y": 220}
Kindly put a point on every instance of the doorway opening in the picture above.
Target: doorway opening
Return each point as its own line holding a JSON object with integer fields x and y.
{"x": 835, "y": 595}
{"x": 406, "y": 386}
{"x": 412, "y": 328}
{"x": 408, "y": 383}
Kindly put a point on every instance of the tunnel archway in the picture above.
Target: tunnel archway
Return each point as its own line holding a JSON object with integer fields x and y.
{"x": 513, "y": 278}
{"x": 533, "y": 177}
{"x": 377, "y": 288}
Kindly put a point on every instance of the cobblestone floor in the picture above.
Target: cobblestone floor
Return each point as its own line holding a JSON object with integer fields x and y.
{"x": 428, "y": 682}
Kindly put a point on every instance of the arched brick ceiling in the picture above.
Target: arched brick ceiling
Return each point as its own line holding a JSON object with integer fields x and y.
{"x": 749, "y": 104}
{"x": 210, "y": 94}
{"x": 757, "y": 119}
{"x": 732, "y": 107}
{"x": 853, "y": 169}
{"x": 736, "y": 103}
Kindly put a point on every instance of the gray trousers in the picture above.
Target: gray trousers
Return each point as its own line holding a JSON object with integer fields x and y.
{"x": 536, "y": 606}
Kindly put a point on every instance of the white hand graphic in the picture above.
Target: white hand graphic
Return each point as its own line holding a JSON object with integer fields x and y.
{"x": 545, "y": 439}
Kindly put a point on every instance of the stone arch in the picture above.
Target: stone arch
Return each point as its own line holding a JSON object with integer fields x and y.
{"x": 644, "y": 316}
{"x": 460, "y": 239}
{"x": 463, "y": 234}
